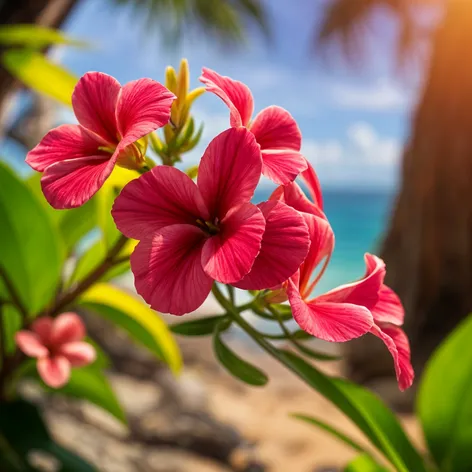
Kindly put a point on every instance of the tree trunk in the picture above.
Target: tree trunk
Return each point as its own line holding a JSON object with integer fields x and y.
{"x": 428, "y": 248}
{"x": 50, "y": 13}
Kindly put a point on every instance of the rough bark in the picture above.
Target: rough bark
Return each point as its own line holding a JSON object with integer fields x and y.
{"x": 428, "y": 248}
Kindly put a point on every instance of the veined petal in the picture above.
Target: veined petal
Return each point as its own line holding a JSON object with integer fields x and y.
{"x": 69, "y": 184}
{"x": 235, "y": 94}
{"x": 275, "y": 128}
{"x": 143, "y": 106}
{"x": 67, "y": 328}
{"x": 228, "y": 256}
{"x": 397, "y": 343}
{"x": 168, "y": 269}
{"x": 162, "y": 197}
{"x": 336, "y": 322}
{"x": 55, "y": 371}
{"x": 78, "y": 353}
{"x": 229, "y": 171}
{"x": 284, "y": 247}
{"x": 389, "y": 308}
{"x": 94, "y": 101}
{"x": 62, "y": 143}
{"x": 31, "y": 344}
{"x": 313, "y": 184}
{"x": 364, "y": 292}
{"x": 282, "y": 165}
{"x": 43, "y": 328}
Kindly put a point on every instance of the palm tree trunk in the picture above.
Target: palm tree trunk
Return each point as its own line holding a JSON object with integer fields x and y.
{"x": 428, "y": 248}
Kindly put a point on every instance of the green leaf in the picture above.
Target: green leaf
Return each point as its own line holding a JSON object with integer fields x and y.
{"x": 330, "y": 430}
{"x": 31, "y": 253}
{"x": 444, "y": 401}
{"x": 200, "y": 327}
{"x": 364, "y": 463}
{"x": 366, "y": 410}
{"x": 102, "y": 360}
{"x": 34, "y": 36}
{"x": 11, "y": 322}
{"x": 236, "y": 366}
{"x": 40, "y": 74}
{"x": 87, "y": 262}
{"x": 139, "y": 321}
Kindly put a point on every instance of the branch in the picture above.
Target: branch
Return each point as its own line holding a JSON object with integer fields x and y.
{"x": 15, "y": 297}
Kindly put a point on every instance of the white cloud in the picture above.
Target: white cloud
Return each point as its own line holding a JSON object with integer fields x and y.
{"x": 328, "y": 152}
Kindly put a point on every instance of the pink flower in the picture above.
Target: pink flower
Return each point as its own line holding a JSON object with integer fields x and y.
{"x": 274, "y": 128}
{"x": 77, "y": 159}
{"x": 192, "y": 234}
{"x": 58, "y": 345}
{"x": 351, "y": 310}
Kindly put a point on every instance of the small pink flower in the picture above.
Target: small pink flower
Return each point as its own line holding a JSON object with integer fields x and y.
{"x": 351, "y": 310}
{"x": 58, "y": 345}
{"x": 274, "y": 128}
{"x": 192, "y": 234}
{"x": 77, "y": 159}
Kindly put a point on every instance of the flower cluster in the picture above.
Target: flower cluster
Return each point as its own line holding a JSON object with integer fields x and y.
{"x": 192, "y": 234}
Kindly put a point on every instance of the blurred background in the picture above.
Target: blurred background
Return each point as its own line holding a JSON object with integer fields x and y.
{"x": 382, "y": 91}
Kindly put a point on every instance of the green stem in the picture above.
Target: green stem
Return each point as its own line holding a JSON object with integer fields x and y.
{"x": 14, "y": 296}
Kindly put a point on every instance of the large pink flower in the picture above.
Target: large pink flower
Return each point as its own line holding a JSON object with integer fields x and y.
{"x": 77, "y": 159}
{"x": 58, "y": 345}
{"x": 274, "y": 128}
{"x": 192, "y": 234}
{"x": 351, "y": 310}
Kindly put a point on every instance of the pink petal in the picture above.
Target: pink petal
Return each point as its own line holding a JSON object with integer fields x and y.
{"x": 228, "y": 256}
{"x": 67, "y": 328}
{"x": 284, "y": 247}
{"x": 313, "y": 184}
{"x": 162, "y": 197}
{"x": 168, "y": 269}
{"x": 69, "y": 184}
{"x": 229, "y": 171}
{"x": 78, "y": 353}
{"x": 336, "y": 322}
{"x": 143, "y": 106}
{"x": 94, "y": 101}
{"x": 364, "y": 292}
{"x": 389, "y": 308}
{"x": 275, "y": 128}
{"x": 55, "y": 371}
{"x": 43, "y": 328}
{"x": 235, "y": 94}
{"x": 31, "y": 344}
{"x": 397, "y": 343}
{"x": 282, "y": 165}
{"x": 64, "y": 142}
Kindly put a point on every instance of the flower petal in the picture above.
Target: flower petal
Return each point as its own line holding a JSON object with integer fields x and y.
{"x": 78, "y": 353}
{"x": 162, "y": 197}
{"x": 228, "y": 256}
{"x": 313, "y": 184}
{"x": 31, "y": 344}
{"x": 397, "y": 343}
{"x": 275, "y": 128}
{"x": 64, "y": 142}
{"x": 389, "y": 308}
{"x": 55, "y": 371}
{"x": 94, "y": 101}
{"x": 229, "y": 171}
{"x": 143, "y": 106}
{"x": 235, "y": 94}
{"x": 282, "y": 165}
{"x": 43, "y": 328}
{"x": 336, "y": 322}
{"x": 168, "y": 269}
{"x": 364, "y": 292}
{"x": 284, "y": 246}
{"x": 69, "y": 184}
{"x": 67, "y": 328}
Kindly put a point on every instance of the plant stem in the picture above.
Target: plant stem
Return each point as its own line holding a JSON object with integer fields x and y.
{"x": 14, "y": 296}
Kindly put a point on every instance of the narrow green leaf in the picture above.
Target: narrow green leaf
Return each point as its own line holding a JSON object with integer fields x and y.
{"x": 11, "y": 320}
{"x": 364, "y": 463}
{"x": 330, "y": 430}
{"x": 34, "y": 36}
{"x": 200, "y": 327}
{"x": 444, "y": 401}
{"x": 40, "y": 74}
{"x": 236, "y": 366}
{"x": 87, "y": 262}
{"x": 139, "y": 321}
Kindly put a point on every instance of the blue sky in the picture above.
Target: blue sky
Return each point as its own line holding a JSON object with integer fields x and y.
{"x": 353, "y": 122}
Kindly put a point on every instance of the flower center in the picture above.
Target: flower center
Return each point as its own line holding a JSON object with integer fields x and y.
{"x": 209, "y": 227}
